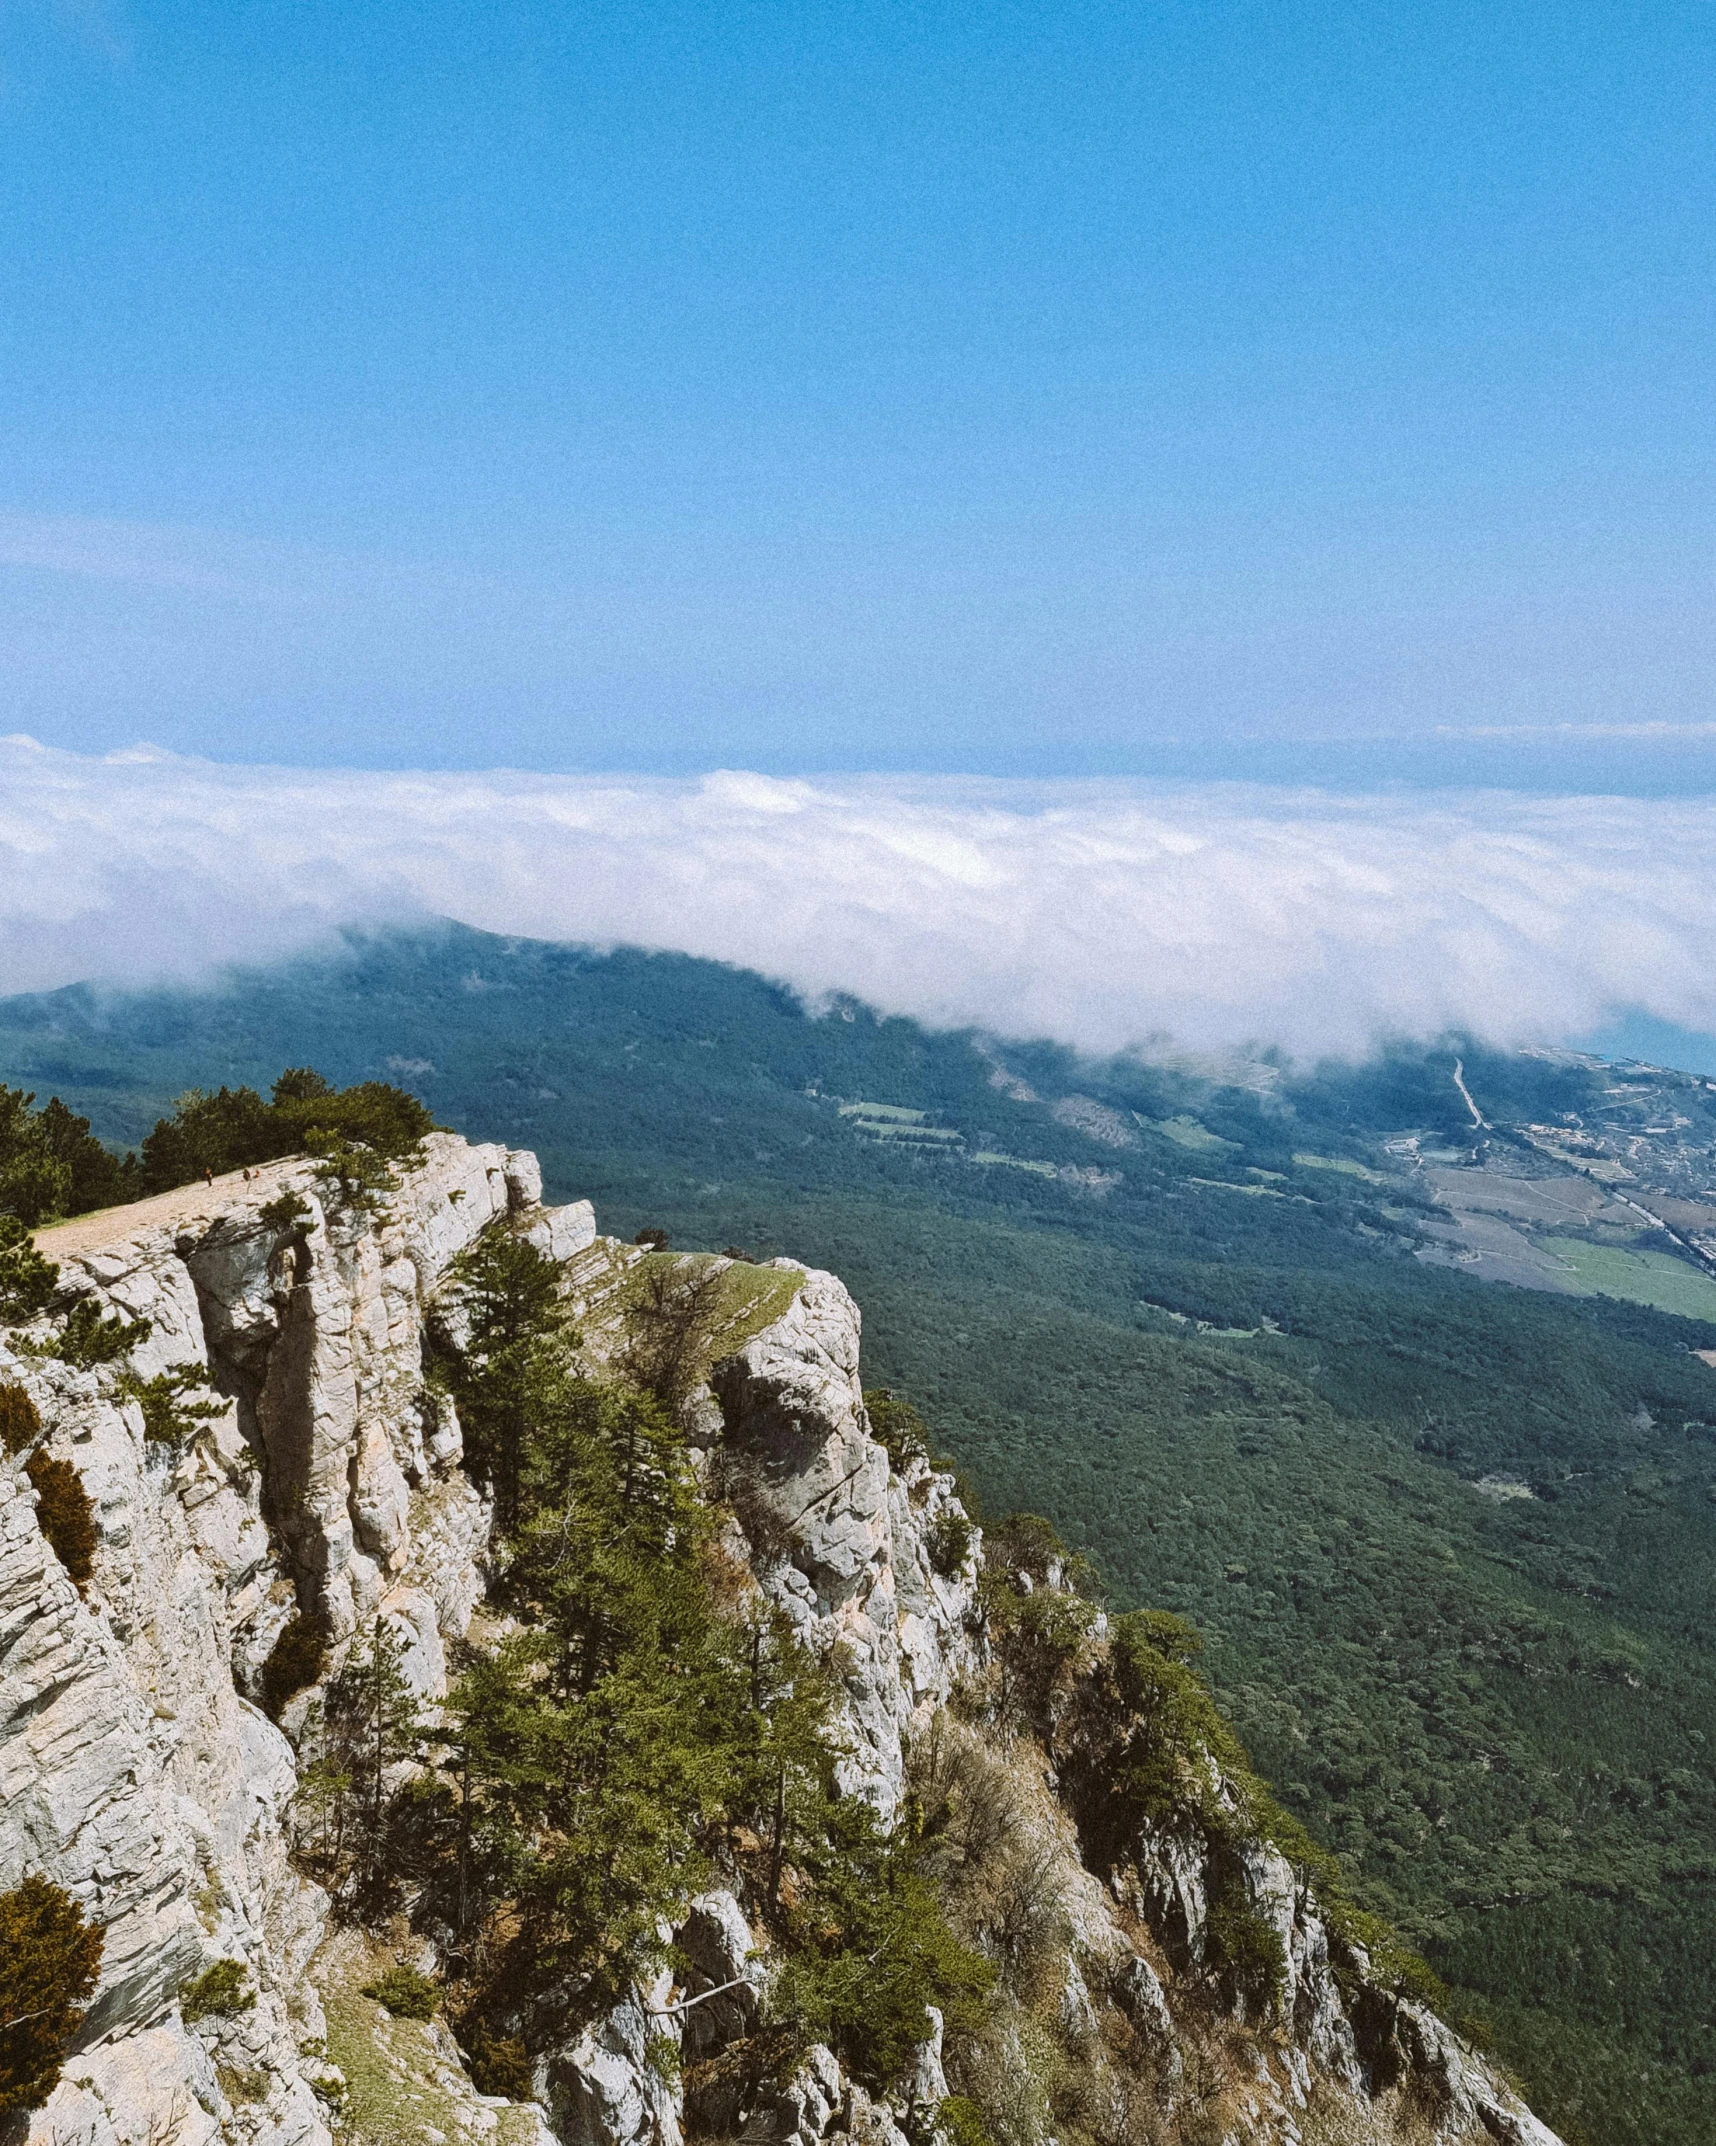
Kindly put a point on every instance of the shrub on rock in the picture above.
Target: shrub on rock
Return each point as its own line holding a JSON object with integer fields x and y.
{"x": 64, "y": 1514}
{"x": 49, "y": 1959}
{"x": 405, "y": 1993}
{"x": 219, "y": 1990}
{"x": 20, "y": 1421}
{"x": 63, "y": 1509}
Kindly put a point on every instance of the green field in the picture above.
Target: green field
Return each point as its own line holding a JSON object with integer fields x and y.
{"x": 1645, "y": 1277}
{"x": 1186, "y": 1132}
{"x": 1341, "y": 1162}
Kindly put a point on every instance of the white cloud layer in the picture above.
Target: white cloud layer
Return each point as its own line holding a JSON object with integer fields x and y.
{"x": 1100, "y": 913}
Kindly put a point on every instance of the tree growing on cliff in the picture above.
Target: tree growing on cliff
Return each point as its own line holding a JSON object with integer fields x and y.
{"x": 371, "y": 1722}
{"x": 1039, "y": 1616}
{"x": 598, "y": 1740}
{"x": 88, "y": 1338}
{"x": 513, "y": 1358}
{"x": 49, "y": 1960}
{"x": 360, "y": 1133}
{"x": 870, "y": 1947}
{"x": 674, "y": 1316}
{"x": 170, "y": 1401}
{"x": 27, "y": 1280}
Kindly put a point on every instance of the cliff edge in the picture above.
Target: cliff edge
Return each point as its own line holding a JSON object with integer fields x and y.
{"x": 151, "y": 1759}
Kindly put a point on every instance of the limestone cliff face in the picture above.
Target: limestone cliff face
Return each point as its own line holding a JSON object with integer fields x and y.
{"x": 138, "y": 1770}
{"x": 1343, "y": 2064}
{"x": 852, "y": 1568}
{"x": 135, "y": 1768}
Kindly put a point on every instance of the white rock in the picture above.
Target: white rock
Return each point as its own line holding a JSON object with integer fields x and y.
{"x": 562, "y": 1231}
{"x": 924, "y": 2087}
{"x": 604, "y": 2091}
{"x": 721, "y": 1948}
{"x": 859, "y": 1586}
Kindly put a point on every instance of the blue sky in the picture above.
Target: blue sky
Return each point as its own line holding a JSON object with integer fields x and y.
{"x": 1297, "y": 392}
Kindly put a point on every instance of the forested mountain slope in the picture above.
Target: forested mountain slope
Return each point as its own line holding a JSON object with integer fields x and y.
{"x": 1451, "y": 1544}
{"x": 465, "y": 1681}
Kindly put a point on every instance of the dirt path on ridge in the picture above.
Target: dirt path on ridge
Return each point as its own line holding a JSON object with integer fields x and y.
{"x": 186, "y": 1203}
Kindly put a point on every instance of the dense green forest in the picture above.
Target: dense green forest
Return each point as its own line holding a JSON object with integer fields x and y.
{"x": 1185, "y": 1321}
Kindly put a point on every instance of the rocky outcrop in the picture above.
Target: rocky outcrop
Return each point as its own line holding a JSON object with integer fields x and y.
{"x": 841, "y": 1542}
{"x": 138, "y": 1769}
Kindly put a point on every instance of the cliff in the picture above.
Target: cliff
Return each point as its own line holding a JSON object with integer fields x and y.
{"x": 140, "y": 1771}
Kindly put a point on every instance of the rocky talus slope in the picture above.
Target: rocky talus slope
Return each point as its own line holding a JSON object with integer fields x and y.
{"x": 139, "y": 1770}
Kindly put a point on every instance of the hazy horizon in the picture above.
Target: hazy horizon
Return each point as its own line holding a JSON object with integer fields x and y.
{"x": 1309, "y": 396}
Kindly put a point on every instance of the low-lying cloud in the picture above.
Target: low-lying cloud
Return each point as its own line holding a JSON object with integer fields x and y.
{"x": 1105, "y": 914}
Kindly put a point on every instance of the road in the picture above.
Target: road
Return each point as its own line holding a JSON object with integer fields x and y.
{"x": 1478, "y": 1118}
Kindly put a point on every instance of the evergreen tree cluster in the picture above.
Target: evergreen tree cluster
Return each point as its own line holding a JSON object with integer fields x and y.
{"x": 368, "y": 1725}
{"x": 52, "y": 1165}
{"x": 648, "y": 1721}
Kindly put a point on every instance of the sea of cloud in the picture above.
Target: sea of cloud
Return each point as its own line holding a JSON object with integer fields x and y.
{"x": 1102, "y": 913}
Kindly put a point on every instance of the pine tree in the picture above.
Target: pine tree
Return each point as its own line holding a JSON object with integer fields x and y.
{"x": 784, "y": 1762}
{"x": 88, "y": 1339}
{"x": 322, "y": 1803}
{"x": 600, "y": 1741}
{"x": 513, "y": 1356}
{"x": 674, "y": 1318}
{"x": 610, "y": 1521}
{"x": 52, "y": 1164}
{"x": 372, "y": 1722}
{"x": 34, "y": 1182}
{"x": 27, "y": 1280}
